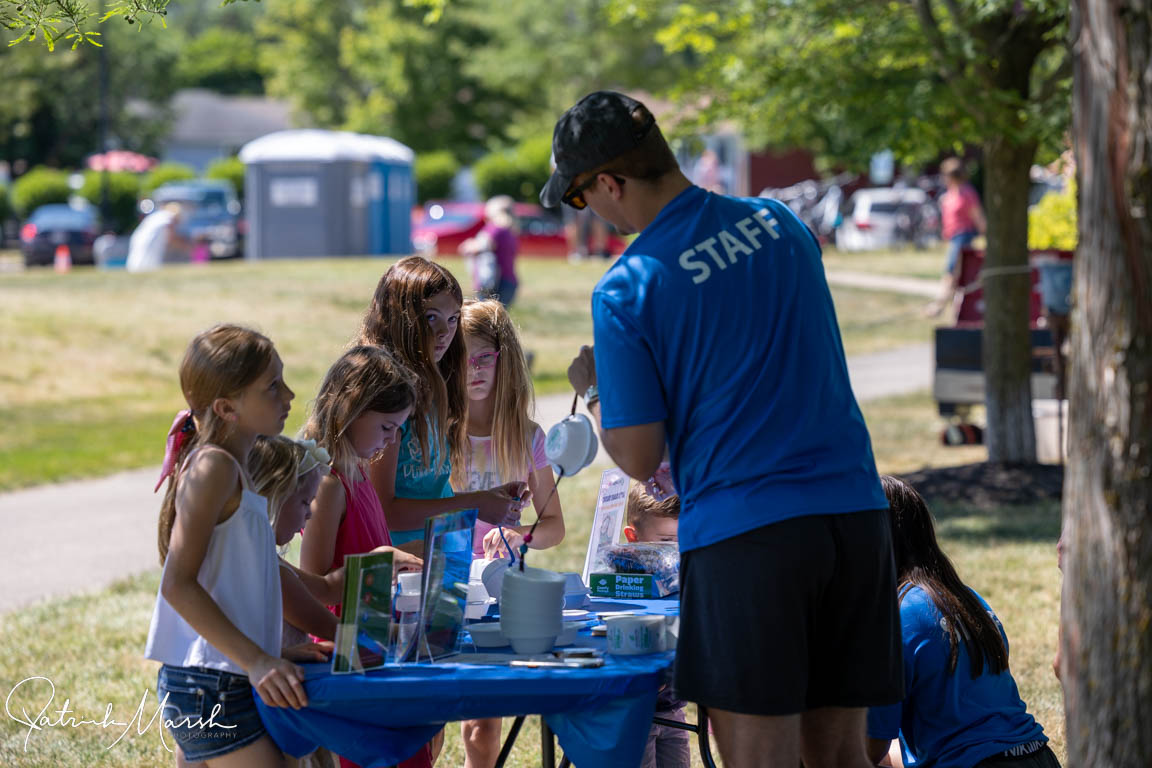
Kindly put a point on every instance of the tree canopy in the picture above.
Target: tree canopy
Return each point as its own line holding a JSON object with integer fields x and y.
{"x": 847, "y": 78}
{"x": 51, "y": 110}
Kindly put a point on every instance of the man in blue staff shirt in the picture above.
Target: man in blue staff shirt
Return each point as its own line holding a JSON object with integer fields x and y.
{"x": 715, "y": 336}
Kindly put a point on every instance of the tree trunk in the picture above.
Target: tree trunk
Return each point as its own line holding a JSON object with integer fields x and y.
{"x": 1107, "y": 600}
{"x": 1007, "y": 296}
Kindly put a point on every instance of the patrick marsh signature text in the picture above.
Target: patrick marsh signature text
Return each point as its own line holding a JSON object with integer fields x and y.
{"x": 32, "y": 691}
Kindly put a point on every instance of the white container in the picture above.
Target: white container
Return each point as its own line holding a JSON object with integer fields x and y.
{"x": 487, "y": 635}
{"x": 531, "y": 607}
{"x": 1051, "y": 420}
{"x": 476, "y": 573}
{"x": 407, "y": 606}
{"x": 575, "y": 592}
{"x": 409, "y": 582}
{"x": 492, "y": 577}
{"x": 571, "y": 630}
{"x": 634, "y": 635}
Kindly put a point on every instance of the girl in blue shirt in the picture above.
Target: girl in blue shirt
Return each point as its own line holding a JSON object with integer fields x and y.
{"x": 414, "y": 314}
{"x": 962, "y": 708}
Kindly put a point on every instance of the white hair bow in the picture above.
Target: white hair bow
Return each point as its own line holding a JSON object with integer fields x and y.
{"x": 314, "y": 456}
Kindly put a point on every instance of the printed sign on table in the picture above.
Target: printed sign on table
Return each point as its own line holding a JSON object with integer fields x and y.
{"x": 609, "y": 519}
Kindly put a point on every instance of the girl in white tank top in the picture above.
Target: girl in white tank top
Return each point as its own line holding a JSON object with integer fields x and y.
{"x": 217, "y": 619}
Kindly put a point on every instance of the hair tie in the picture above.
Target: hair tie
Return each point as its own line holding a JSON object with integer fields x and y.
{"x": 182, "y": 427}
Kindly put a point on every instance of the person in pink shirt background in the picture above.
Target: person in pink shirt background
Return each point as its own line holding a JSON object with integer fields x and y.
{"x": 962, "y": 219}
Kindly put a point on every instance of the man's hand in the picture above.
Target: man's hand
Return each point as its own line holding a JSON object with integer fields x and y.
{"x": 582, "y": 372}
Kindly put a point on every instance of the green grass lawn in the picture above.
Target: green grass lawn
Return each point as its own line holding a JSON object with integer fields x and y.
{"x": 90, "y": 646}
{"x": 88, "y": 383}
{"x": 88, "y": 386}
{"x": 907, "y": 262}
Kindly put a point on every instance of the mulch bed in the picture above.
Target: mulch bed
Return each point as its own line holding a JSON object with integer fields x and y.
{"x": 989, "y": 485}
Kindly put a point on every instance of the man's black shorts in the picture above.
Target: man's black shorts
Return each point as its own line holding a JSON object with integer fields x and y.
{"x": 793, "y": 616}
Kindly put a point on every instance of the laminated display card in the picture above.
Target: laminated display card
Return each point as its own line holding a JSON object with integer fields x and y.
{"x": 609, "y": 519}
{"x": 444, "y": 587}
{"x": 362, "y": 634}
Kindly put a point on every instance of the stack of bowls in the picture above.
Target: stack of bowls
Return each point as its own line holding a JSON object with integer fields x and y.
{"x": 531, "y": 609}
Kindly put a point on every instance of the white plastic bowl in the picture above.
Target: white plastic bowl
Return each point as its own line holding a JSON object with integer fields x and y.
{"x": 571, "y": 630}
{"x": 487, "y": 635}
{"x": 533, "y": 645}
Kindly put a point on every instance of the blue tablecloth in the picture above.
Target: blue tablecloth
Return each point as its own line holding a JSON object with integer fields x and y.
{"x": 600, "y": 716}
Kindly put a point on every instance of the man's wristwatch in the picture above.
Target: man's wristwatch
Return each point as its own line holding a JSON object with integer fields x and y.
{"x": 591, "y": 395}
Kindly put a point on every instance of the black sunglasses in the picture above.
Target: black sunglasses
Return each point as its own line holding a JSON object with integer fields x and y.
{"x": 575, "y": 196}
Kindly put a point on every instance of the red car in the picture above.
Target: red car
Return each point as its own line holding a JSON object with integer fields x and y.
{"x": 439, "y": 228}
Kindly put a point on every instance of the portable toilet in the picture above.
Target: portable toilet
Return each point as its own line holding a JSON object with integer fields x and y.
{"x": 391, "y": 195}
{"x": 314, "y": 193}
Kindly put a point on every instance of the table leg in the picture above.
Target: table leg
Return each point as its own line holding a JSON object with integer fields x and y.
{"x": 547, "y": 746}
{"x": 506, "y": 750}
{"x": 700, "y": 729}
{"x": 702, "y": 734}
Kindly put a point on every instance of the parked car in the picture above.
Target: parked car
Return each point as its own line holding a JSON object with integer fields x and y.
{"x": 439, "y": 228}
{"x": 51, "y": 226}
{"x": 210, "y": 213}
{"x": 884, "y": 217}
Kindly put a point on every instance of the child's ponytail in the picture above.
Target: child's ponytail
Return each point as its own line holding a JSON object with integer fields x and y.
{"x": 219, "y": 363}
{"x": 181, "y": 439}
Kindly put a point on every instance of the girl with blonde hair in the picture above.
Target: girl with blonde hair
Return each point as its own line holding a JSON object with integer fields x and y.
{"x": 287, "y": 473}
{"x": 504, "y": 445}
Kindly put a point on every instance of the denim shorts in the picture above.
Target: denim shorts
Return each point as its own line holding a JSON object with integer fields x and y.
{"x": 209, "y": 712}
{"x": 956, "y": 244}
{"x": 1056, "y": 287}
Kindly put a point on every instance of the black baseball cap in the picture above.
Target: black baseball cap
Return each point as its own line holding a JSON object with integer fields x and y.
{"x": 597, "y": 130}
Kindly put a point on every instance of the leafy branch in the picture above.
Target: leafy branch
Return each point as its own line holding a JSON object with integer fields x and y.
{"x": 53, "y": 21}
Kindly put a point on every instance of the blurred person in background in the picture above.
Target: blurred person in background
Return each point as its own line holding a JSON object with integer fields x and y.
{"x": 587, "y": 234}
{"x": 492, "y": 252}
{"x": 155, "y": 233}
{"x": 961, "y": 220}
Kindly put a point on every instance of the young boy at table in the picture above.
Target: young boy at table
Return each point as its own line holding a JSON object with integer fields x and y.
{"x": 651, "y": 520}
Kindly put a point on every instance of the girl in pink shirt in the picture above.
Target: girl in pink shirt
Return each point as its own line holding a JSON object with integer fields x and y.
{"x": 962, "y": 219}
{"x": 363, "y": 402}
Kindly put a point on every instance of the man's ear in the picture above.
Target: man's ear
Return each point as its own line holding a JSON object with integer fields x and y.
{"x": 630, "y": 534}
{"x": 611, "y": 185}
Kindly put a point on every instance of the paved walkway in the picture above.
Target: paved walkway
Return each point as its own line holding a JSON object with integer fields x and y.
{"x": 50, "y": 532}
{"x": 914, "y": 286}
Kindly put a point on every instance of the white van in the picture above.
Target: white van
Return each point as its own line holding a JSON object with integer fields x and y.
{"x": 871, "y": 218}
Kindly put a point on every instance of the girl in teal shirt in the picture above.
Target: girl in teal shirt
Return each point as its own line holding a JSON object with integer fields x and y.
{"x": 414, "y": 314}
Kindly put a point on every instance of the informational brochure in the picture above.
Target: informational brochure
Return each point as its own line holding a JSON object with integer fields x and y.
{"x": 609, "y": 519}
{"x": 362, "y": 634}
{"x": 444, "y": 587}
